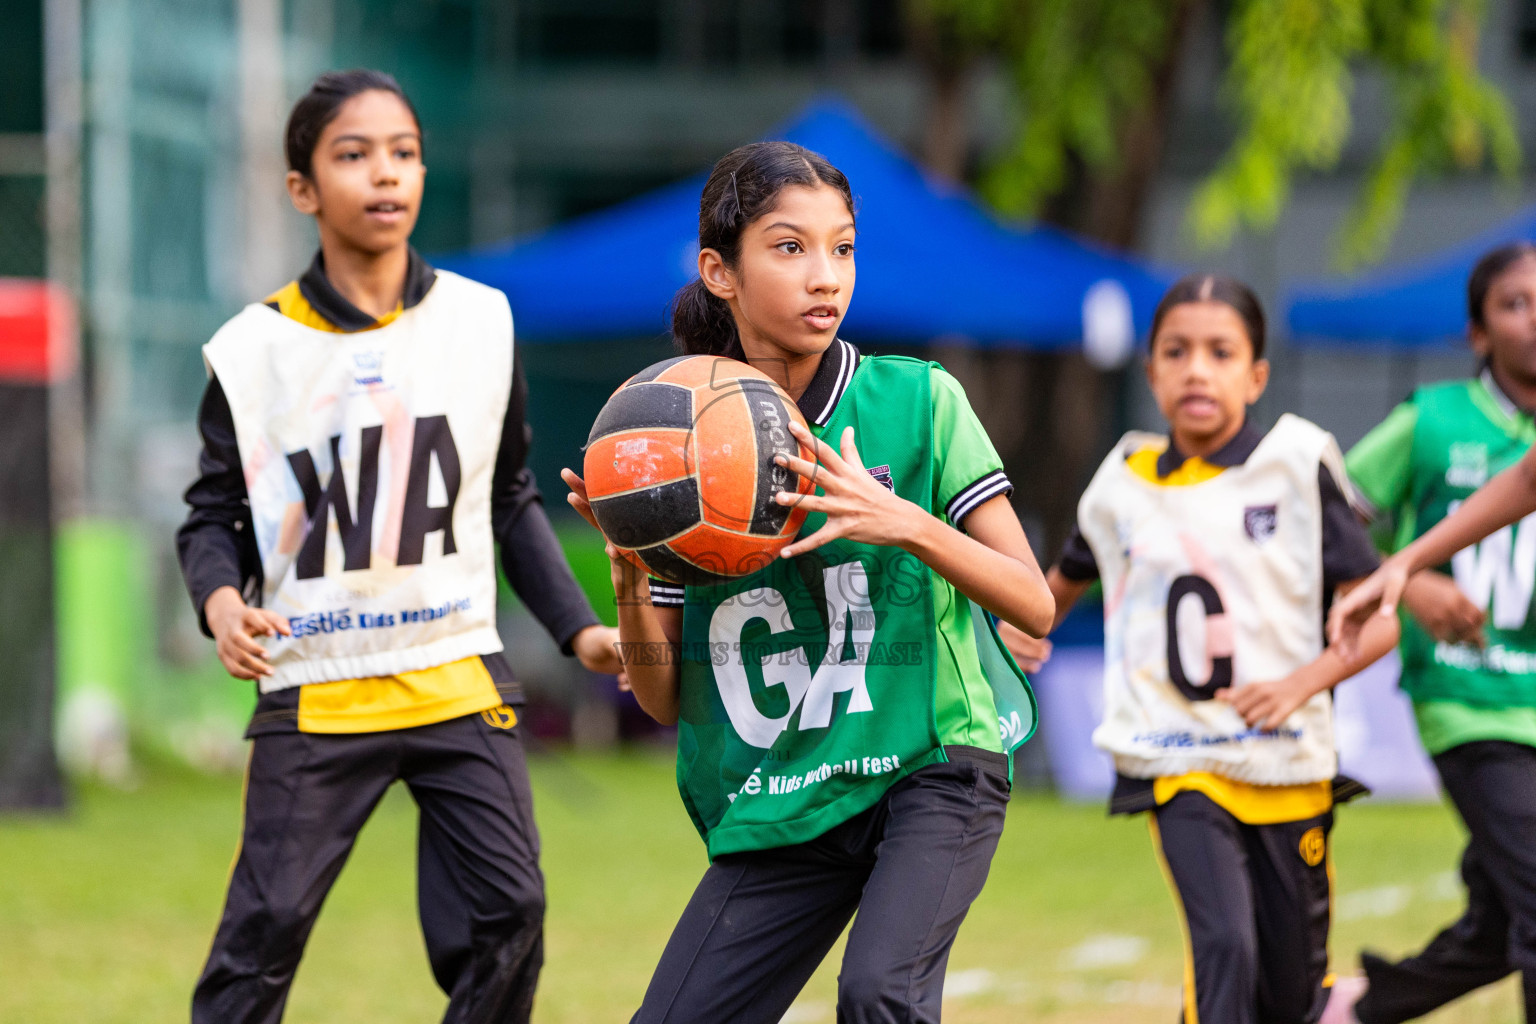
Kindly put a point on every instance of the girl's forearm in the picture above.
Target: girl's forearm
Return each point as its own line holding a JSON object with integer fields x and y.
{"x": 1065, "y": 593}
{"x": 1011, "y": 589}
{"x": 1332, "y": 667}
{"x": 650, "y": 657}
{"x": 1507, "y": 498}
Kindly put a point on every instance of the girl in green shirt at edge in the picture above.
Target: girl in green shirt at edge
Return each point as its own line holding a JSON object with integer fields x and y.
{"x": 909, "y": 847}
{"x": 1469, "y": 644}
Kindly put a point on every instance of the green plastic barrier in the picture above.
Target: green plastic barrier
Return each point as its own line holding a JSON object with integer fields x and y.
{"x": 116, "y": 694}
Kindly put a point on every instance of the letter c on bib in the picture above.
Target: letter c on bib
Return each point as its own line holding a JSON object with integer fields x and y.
{"x": 1221, "y": 666}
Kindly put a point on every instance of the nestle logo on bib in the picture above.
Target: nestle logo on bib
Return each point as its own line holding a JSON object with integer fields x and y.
{"x": 1260, "y": 521}
{"x": 366, "y": 366}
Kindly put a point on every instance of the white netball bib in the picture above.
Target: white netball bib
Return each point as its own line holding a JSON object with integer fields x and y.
{"x": 368, "y": 458}
{"x": 1211, "y": 585}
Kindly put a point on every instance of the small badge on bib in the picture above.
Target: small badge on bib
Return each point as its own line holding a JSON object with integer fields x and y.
{"x": 1260, "y": 522}
{"x": 883, "y": 475}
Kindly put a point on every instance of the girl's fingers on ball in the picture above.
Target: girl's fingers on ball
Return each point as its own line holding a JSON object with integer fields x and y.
{"x": 811, "y": 543}
{"x": 807, "y": 469}
{"x": 851, "y": 450}
{"x": 809, "y": 502}
{"x": 824, "y": 452}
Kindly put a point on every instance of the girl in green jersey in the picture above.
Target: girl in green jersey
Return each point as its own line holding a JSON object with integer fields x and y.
{"x": 844, "y": 748}
{"x": 1469, "y": 643}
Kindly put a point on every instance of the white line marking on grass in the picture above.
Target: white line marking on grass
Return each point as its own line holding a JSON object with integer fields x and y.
{"x": 974, "y": 982}
{"x": 1381, "y": 901}
{"x": 1118, "y": 993}
{"x": 1444, "y": 887}
{"x": 1098, "y": 951}
{"x": 1389, "y": 900}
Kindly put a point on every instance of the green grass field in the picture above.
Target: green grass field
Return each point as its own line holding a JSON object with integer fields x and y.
{"x": 105, "y": 914}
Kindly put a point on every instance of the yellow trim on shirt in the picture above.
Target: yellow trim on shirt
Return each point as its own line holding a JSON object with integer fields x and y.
{"x": 293, "y": 305}
{"x": 1195, "y": 470}
{"x": 1249, "y": 803}
{"x": 403, "y": 701}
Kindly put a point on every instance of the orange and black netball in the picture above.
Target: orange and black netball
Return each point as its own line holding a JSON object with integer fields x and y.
{"x": 680, "y": 469}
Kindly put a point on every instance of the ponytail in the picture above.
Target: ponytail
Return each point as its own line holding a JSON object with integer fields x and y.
{"x": 744, "y": 185}
{"x": 702, "y": 324}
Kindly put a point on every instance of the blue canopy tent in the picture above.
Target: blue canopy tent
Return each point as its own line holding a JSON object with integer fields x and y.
{"x": 1422, "y": 305}
{"x": 932, "y": 263}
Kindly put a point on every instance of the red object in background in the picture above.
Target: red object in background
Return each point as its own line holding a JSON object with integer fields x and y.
{"x": 37, "y": 332}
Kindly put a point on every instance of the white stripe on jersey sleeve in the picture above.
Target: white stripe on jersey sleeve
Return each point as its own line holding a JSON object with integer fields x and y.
{"x": 970, "y": 497}
{"x": 666, "y": 595}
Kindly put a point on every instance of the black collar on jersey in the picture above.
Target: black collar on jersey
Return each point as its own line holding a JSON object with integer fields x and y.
{"x": 1234, "y": 453}
{"x": 1500, "y": 396}
{"x": 830, "y": 382}
{"x": 318, "y": 291}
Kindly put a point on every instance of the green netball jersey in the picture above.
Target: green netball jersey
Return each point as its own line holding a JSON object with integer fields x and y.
{"x": 1414, "y": 468}
{"x": 809, "y": 687}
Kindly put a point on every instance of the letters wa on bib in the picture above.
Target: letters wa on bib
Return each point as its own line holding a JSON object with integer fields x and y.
{"x": 1206, "y": 586}
{"x": 811, "y": 686}
{"x": 369, "y": 470}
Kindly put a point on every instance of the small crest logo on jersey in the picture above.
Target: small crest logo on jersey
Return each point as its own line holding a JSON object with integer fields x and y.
{"x": 1260, "y": 522}
{"x": 1469, "y": 464}
{"x": 883, "y": 475}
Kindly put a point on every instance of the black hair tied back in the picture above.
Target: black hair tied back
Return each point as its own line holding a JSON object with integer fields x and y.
{"x": 744, "y": 185}
{"x": 1229, "y": 291}
{"x": 318, "y": 108}
{"x": 1487, "y": 270}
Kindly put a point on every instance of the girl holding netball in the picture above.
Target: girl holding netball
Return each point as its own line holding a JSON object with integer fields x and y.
{"x": 363, "y": 455}
{"x": 880, "y": 783}
{"x": 1220, "y": 548}
{"x": 1469, "y": 642}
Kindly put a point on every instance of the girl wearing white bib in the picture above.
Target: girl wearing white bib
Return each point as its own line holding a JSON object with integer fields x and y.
{"x": 1219, "y": 550}
{"x": 363, "y": 456}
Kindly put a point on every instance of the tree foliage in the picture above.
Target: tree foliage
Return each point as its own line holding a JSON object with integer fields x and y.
{"x": 1081, "y": 69}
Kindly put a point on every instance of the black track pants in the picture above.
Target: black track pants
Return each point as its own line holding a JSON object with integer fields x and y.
{"x": 481, "y": 894}
{"x": 1255, "y": 902}
{"x": 1493, "y": 786}
{"x": 760, "y": 923}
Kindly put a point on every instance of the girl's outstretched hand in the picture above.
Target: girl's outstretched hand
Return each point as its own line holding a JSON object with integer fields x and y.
{"x": 857, "y": 506}
{"x": 1434, "y": 599}
{"x": 596, "y": 647}
{"x": 1031, "y": 653}
{"x": 1377, "y": 594}
{"x": 235, "y": 627}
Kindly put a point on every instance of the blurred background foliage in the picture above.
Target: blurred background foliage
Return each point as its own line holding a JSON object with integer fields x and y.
{"x": 1092, "y": 80}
